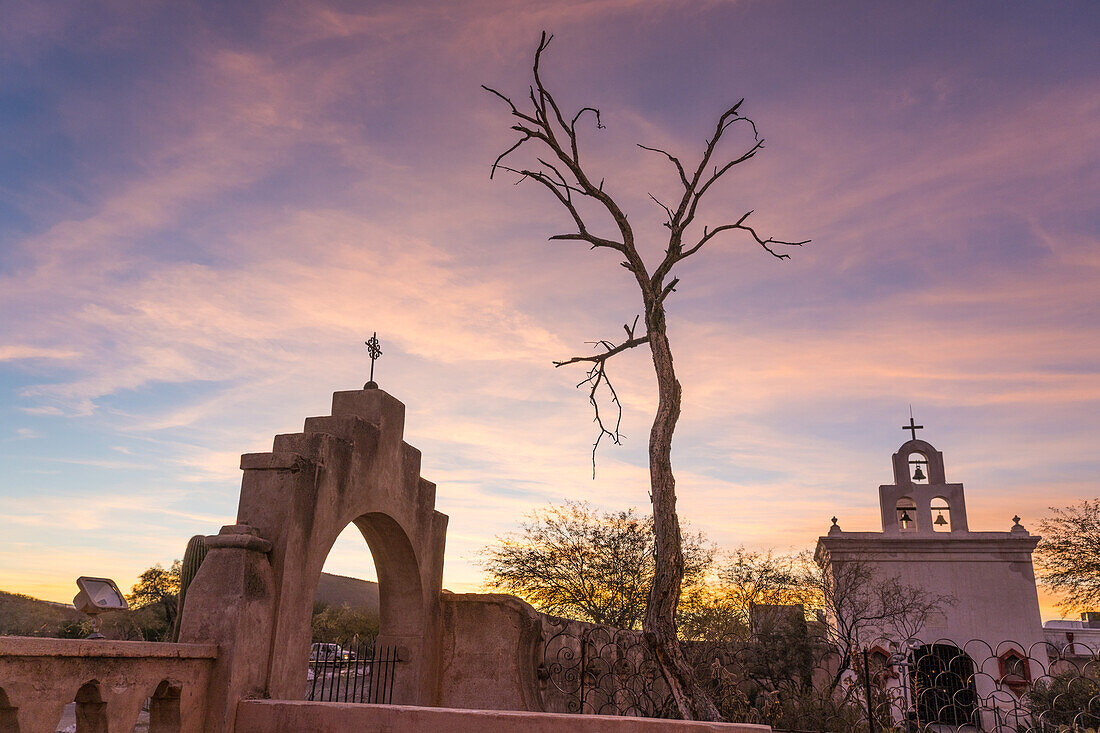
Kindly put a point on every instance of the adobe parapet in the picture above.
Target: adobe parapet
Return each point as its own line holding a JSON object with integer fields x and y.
{"x": 968, "y": 546}
{"x": 109, "y": 681}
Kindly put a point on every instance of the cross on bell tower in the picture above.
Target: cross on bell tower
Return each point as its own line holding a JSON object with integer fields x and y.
{"x": 912, "y": 427}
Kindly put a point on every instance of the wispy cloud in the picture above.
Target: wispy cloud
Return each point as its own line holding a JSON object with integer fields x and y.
{"x": 197, "y": 254}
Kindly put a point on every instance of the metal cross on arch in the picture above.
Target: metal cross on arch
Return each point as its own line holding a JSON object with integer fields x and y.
{"x": 374, "y": 349}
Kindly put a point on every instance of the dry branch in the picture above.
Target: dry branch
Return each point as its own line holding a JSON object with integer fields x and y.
{"x": 558, "y": 169}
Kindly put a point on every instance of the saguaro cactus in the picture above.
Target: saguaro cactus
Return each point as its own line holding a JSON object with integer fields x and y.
{"x": 192, "y": 559}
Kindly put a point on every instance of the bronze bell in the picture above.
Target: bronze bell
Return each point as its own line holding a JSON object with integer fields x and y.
{"x": 939, "y": 519}
{"x": 918, "y": 475}
{"x": 905, "y": 516}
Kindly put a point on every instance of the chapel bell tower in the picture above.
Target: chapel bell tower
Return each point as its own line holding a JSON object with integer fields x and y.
{"x": 926, "y": 545}
{"x": 920, "y": 501}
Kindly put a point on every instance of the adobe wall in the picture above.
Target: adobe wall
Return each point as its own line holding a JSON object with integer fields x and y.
{"x": 492, "y": 646}
{"x": 499, "y": 653}
{"x": 110, "y": 680}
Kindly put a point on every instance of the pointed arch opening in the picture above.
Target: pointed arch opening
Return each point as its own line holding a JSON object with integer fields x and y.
{"x": 1015, "y": 672}
{"x": 346, "y": 602}
{"x": 368, "y": 606}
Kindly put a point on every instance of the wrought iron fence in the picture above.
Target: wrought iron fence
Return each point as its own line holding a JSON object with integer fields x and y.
{"x": 802, "y": 684}
{"x": 602, "y": 671}
{"x": 356, "y": 670}
{"x": 976, "y": 686}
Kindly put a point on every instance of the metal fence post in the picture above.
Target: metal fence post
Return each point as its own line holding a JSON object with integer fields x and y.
{"x": 584, "y": 640}
{"x": 867, "y": 691}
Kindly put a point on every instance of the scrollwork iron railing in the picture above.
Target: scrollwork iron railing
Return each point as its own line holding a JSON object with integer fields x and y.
{"x": 887, "y": 686}
{"x": 602, "y": 671}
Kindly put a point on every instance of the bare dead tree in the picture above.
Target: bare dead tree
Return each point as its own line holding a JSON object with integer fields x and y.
{"x": 863, "y": 605}
{"x": 542, "y": 125}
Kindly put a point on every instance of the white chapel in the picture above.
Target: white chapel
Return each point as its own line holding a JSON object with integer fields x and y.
{"x": 993, "y": 633}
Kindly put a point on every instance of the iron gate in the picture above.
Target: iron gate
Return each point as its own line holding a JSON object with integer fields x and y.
{"x": 357, "y": 670}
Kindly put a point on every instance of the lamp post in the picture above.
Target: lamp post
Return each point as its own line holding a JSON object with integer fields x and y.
{"x": 901, "y": 660}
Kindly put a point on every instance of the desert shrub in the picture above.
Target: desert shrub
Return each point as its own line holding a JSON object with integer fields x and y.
{"x": 1069, "y": 700}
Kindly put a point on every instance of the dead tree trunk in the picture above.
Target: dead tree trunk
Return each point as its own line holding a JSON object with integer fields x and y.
{"x": 560, "y": 171}
{"x": 693, "y": 702}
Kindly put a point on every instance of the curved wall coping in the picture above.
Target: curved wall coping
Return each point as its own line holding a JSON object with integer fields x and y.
{"x": 261, "y": 716}
{"x": 36, "y": 646}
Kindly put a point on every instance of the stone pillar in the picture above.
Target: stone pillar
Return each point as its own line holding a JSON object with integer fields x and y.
{"x": 231, "y": 603}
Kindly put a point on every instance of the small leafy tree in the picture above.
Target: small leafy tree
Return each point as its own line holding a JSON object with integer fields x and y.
{"x": 1066, "y": 701}
{"x": 576, "y": 561}
{"x": 157, "y": 589}
{"x": 721, "y": 610}
{"x": 1068, "y": 556}
{"x": 862, "y": 605}
{"x": 332, "y": 623}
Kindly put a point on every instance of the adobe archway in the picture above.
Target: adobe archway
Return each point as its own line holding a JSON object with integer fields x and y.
{"x": 254, "y": 591}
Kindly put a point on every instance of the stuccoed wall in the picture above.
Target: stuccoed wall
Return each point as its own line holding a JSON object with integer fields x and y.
{"x": 109, "y": 680}
{"x": 491, "y": 649}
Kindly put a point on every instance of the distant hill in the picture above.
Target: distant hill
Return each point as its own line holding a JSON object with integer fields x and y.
{"x": 22, "y": 615}
{"x": 336, "y": 590}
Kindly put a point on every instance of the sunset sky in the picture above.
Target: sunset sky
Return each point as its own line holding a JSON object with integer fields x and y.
{"x": 205, "y": 209}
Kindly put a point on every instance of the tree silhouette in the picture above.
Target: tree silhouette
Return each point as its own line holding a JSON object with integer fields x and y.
{"x": 578, "y": 562}
{"x": 1068, "y": 556}
{"x": 557, "y": 167}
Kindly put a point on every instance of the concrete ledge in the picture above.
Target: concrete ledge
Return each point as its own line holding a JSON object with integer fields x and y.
{"x": 281, "y": 461}
{"x": 34, "y": 646}
{"x": 264, "y": 716}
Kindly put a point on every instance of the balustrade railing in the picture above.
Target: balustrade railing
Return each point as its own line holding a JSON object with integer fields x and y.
{"x": 108, "y": 682}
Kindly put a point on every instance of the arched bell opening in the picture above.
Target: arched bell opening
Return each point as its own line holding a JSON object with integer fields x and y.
{"x": 918, "y": 467}
{"x": 91, "y": 710}
{"x": 9, "y": 715}
{"x": 907, "y": 514}
{"x": 941, "y": 515}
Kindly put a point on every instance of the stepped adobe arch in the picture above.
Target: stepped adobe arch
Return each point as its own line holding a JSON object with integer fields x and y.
{"x": 254, "y": 591}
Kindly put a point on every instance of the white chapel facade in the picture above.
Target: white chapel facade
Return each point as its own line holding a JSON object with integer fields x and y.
{"x": 926, "y": 542}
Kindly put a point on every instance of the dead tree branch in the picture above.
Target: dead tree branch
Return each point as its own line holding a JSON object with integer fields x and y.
{"x": 597, "y": 376}
{"x": 558, "y": 169}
